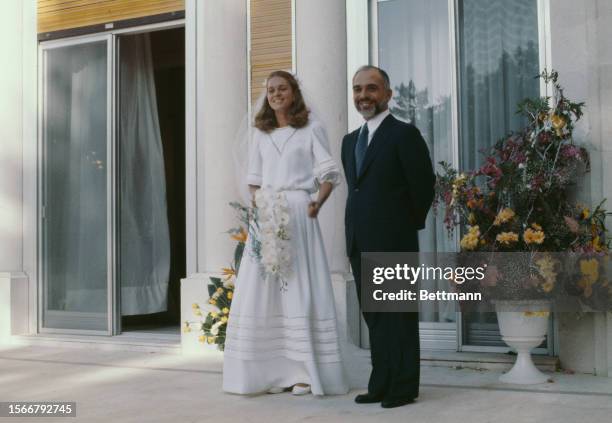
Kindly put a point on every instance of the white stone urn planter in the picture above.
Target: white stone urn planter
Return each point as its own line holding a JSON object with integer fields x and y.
{"x": 523, "y": 326}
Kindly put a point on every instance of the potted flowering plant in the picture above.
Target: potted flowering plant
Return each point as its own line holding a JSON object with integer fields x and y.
{"x": 215, "y": 313}
{"x": 520, "y": 201}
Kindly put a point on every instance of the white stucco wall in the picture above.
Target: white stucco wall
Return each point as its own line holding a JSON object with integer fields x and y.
{"x": 11, "y": 131}
{"x": 582, "y": 53}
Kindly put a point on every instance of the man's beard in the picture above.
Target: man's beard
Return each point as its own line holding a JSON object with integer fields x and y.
{"x": 371, "y": 112}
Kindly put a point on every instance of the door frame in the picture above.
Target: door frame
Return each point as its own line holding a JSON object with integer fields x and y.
{"x": 113, "y": 292}
{"x": 362, "y": 39}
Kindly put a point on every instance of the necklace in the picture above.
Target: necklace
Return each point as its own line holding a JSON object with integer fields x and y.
{"x": 283, "y": 144}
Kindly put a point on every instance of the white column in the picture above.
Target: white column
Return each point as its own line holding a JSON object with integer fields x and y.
{"x": 216, "y": 75}
{"x": 18, "y": 121}
{"x": 11, "y": 136}
{"x": 321, "y": 54}
{"x": 216, "y": 104}
{"x": 320, "y": 37}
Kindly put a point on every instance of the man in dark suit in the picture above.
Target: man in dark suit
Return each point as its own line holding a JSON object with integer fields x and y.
{"x": 390, "y": 190}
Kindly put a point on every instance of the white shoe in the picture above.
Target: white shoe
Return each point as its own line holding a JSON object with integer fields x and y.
{"x": 300, "y": 390}
{"x": 276, "y": 390}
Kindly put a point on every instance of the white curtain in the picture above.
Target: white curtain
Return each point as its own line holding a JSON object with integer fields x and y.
{"x": 413, "y": 47}
{"x": 498, "y": 61}
{"x": 144, "y": 233}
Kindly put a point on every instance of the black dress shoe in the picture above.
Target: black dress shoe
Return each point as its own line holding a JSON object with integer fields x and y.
{"x": 368, "y": 398}
{"x": 392, "y": 403}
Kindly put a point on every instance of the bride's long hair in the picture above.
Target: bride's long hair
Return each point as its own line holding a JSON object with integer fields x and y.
{"x": 265, "y": 119}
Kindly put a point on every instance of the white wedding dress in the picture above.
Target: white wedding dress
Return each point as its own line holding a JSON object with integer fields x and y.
{"x": 277, "y": 337}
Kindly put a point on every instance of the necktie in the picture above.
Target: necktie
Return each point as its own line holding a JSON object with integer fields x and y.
{"x": 361, "y": 147}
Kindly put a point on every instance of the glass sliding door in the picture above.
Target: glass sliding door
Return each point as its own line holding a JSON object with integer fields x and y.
{"x": 414, "y": 47}
{"x": 498, "y": 64}
{"x": 458, "y": 68}
{"x": 498, "y": 61}
{"x": 76, "y": 258}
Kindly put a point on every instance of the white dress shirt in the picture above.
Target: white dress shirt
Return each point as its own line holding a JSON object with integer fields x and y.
{"x": 375, "y": 122}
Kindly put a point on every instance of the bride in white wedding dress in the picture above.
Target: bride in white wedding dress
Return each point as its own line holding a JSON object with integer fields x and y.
{"x": 282, "y": 331}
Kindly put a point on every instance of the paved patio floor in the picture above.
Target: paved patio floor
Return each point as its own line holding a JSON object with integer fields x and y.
{"x": 132, "y": 386}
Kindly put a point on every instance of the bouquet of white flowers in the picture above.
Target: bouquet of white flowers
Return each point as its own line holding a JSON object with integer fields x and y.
{"x": 269, "y": 233}
{"x": 272, "y": 234}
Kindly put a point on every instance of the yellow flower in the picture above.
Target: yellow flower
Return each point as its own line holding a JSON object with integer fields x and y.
{"x": 241, "y": 236}
{"x": 536, "y": 313}
{"x": 228, "y": 272}
{"x": 219, "y": 290}
{"x": 186, "y": 328}
{"x": 212, "y": 301}
{"x": 475, "y": 204}
{"x": 590, "y": 274}
{"x": 214, "y": 314}
{"x": 202, "y": 338}
{"x": 507, "y": 238}
{"x": 590, "y": 269}
{"x": 197, "y": 312}
{"x": 558, "y": 122}
{"x": 533, "y": 237}
{"x": 586, "y": 213}
{"x": 230, "y": 295}
{"x": 195, "y": 306}
{"x": 459, "y": 181}
{"x": 225, "y": 310}
{"x": 470, "y": 240}
{"x": 536, "y": 226}
{"x": 224, "y": 319}
{"x": 503, "y": 216}
{"x": 471, "y": 219}
{"x": 211, "y": 339}
{"x": 548, "y": 286}
{"x": 546, "y": 266}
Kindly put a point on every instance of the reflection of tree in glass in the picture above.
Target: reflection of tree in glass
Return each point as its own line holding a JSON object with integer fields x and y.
{"x": 414, "y": 106}
{"x": 405, "y": 101}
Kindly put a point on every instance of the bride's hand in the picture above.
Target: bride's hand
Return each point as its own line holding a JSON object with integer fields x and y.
{"x": 313, "y": 209}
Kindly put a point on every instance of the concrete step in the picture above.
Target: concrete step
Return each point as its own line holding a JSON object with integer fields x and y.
{"x": 170, "y": 344}
{"x": 145, "y": 342}
{"x": 483, "y": 360}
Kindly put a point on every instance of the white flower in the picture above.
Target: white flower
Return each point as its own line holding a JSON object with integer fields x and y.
{"x": 274, "y": 243}
{"x": 283, "y": 218}
{"x": 215, "y": 328}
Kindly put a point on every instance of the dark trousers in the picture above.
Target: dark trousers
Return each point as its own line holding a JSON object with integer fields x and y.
{"x": 394, "y": 347}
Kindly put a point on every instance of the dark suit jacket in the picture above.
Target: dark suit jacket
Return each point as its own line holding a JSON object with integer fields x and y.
{"x": 389, "y": 201}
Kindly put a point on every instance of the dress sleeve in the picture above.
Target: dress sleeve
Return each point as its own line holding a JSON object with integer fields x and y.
{"x": 254, "y": 175}
{"x": 325, "y": 167}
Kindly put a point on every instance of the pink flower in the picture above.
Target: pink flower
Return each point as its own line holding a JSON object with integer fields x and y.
{"x": 571, "y": 224}
{"x": 569, "y": 151}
